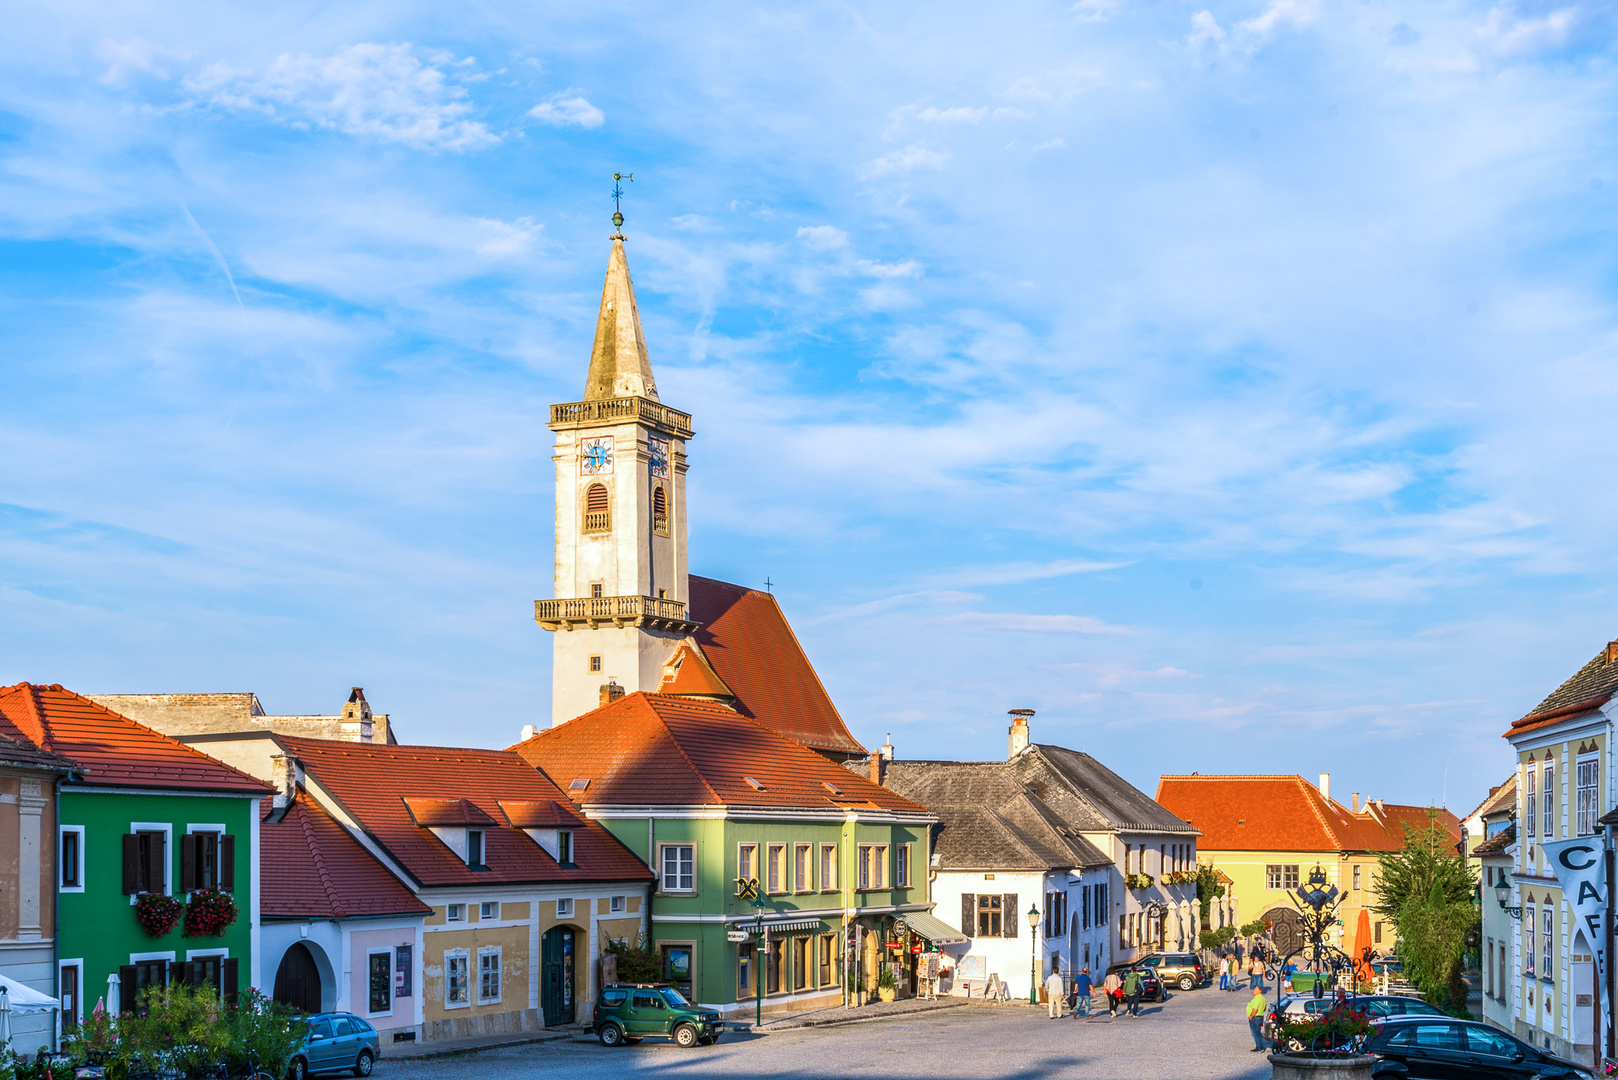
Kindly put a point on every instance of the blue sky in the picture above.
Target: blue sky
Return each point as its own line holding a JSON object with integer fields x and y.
{"x": 1233, "y": 384}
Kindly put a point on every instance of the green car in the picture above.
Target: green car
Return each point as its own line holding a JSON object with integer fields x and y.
{"x": 631, "y": 1013}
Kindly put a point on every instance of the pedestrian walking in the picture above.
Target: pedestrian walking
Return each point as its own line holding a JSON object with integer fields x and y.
{"x": 1224, "y": 972}
{"x": 1258, "y": 974}
{"x": 1082, "y": 988}
{"x": 1255, "y": 1018}
{"x": 1054, "y": 992}
{"x": 1132, "y": 990}
{"x": 1114, "y": 987}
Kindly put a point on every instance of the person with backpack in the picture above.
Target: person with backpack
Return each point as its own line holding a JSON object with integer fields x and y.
{"x": 1133, "y": 986}
{"x": 1082, "y": 986}
{"x": 1114, "y": 987}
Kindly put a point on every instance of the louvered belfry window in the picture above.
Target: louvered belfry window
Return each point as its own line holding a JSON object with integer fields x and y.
{"x": 660, "y": 510}
{"x": 597, "y": 509}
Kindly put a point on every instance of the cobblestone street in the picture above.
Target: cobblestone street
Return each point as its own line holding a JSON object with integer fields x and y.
{"x": 1194, "y": 1035}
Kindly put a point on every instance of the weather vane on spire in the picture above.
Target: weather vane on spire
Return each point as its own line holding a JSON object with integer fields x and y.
{"x": 617, "y": 198}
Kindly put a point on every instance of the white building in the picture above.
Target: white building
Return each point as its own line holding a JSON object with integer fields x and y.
{"x": 1048, "y": 830}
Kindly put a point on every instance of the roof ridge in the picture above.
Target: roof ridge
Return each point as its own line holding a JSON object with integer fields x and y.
{"x": 315, "y": 853}
{"x": 1311, "y": 794}
{"x": 40, "y": 736}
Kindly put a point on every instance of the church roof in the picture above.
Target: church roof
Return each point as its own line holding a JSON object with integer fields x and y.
{"x": 746, "y": 640}
{"x": 688, "y": 674}
{"x": 619, "y": 366}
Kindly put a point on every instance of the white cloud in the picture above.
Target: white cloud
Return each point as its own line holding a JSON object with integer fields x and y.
{"x": 823, "y": 237}
{"x": 569, "y": 108}
{"x": 1094, "y": 10}
{"x": 505, "y": 239}
{"x": 380, "y": 91}
{"x": 1051, "y": 144}
{"x": 957, "y": 115}
{"x": 1505, "y": 34}
{"x": 1055, "y": 87}
{"x": 914, "y": 156}
{"x": 1037, "y": 624}
{"x": 133, "y": 57}
{"x": 1250, "y": 35}
{"x": 908, "y": 268}
{"x": 1205, "y": 30}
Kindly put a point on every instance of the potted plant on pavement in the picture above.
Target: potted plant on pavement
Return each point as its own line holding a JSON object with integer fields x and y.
{"x": 886, "y": 984}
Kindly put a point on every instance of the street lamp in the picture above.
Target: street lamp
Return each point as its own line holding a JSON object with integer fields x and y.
{"x": 1033, "y": 955}
{"x": 1502, "y": 893}
{"x": 761, "y": 957}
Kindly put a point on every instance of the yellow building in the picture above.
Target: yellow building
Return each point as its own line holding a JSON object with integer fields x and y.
{"x": 1268, "y": 832}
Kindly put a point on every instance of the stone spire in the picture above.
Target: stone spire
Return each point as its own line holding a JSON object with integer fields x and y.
{"x": 618, "y": 363}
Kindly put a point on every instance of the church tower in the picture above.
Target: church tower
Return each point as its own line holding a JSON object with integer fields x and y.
{"x": 622, "y": 591}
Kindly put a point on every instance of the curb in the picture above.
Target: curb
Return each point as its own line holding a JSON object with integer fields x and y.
{"x": 839, "y": 1021}
{"x": 455, "y": 1051}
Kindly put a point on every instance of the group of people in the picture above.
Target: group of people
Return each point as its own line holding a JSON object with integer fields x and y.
{"x": 1230, "y": 972}
{"x": 1122, "y": 992}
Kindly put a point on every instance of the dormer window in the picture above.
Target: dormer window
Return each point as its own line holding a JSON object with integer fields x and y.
{"x": 579, "y": 783}
{"x": 755, "y": 784}
{"x": 833, "y": 788}
{"x": 564, "y": 847}
{"x": 474, "y": 849}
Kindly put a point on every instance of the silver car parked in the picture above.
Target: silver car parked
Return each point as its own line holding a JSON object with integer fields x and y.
{"x": 338, "y": 1042}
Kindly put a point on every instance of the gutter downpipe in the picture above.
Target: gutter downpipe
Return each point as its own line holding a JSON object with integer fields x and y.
{"x": 1605, "y": 990}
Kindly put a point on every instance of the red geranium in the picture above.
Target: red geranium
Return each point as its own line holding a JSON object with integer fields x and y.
{"x": 209, "y": 912}
{"x": 157, "y": 913}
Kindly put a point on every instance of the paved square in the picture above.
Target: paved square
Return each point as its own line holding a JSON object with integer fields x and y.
{"x": 1201, "y": 1034}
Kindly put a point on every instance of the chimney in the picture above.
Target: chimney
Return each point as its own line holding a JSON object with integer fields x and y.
{"x": 1612, "y": 651}
{"x": 887, "y": 748}
{"x": 357, "y": 708}
{"x": 528, "y": 732}
{"x": 876, "y": 761}
{"x": 1355, "y": 796}
{"x": 284, "y": 778}
{"x": 1017, "y": 734}
{"x": 1325, "y": 785}
{"x": 611, "y": 692}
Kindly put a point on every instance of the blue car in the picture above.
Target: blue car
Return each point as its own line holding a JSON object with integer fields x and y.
{"x": 338, "y": 1042}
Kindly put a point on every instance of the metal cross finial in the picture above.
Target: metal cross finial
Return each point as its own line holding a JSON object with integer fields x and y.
{"x": 769, "y": 585}
{"x": 617, "y": 198}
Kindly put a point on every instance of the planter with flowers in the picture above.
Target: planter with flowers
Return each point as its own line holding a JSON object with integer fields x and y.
{"x": 157, "y": 913}
{"x": 209, "y": 913}
{"x": 1138, "y": 881}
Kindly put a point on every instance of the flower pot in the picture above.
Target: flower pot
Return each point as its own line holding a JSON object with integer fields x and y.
{"x": 885, "y": 993}
{"x": 1328, "y": 1067}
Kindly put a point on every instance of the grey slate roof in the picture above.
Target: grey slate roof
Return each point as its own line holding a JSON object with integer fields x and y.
{"x": 988, "y": 819}
{"x": 1594, "y": 679}
{"x": 1090, "y": 795}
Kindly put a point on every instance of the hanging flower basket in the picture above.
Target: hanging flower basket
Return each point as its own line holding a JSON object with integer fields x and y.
{"x": 209, "y": 913}
{"x": 157, "y": 913}
{"x": 1138, "y": 881}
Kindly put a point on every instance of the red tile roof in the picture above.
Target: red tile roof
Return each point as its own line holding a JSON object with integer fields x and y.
{"x": 688, "y": 673}
{"x": 746, "y": 639}
{"x": 658, "y": 750}
{"x": 1269, "y": 813}
{"x": 1537, "y": 720}
{"x": 446, "y": 812}
{"x": 1397, "y": 815}
{"x": 372, "y": 782}
{"x": 112, "y": 750}
{"x": 313, "y": 869}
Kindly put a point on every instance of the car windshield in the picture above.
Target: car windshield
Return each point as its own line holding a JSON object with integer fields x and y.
{"x": 673, "y": 996}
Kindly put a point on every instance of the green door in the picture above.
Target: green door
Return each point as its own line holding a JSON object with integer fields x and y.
{"x": 556, "y": 976}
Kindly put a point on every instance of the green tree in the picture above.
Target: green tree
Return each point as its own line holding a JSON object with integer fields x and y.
{"x": 1427, "y": 890}
{"x": 1208, "y": 889}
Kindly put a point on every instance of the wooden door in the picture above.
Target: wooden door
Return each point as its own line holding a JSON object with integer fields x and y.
{"x": 556, "y": 976}
{"x": 297, "y": 980}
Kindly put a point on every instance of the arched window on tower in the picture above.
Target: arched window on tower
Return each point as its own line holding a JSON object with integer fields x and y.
{"x": 660, "y": 510}
{"x": 597, "y": 509}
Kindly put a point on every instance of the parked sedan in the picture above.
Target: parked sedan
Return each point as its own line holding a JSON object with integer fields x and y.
{"x": 1427, "y": 1048}
{"x": 1151, "y": 986}
{"x": 337, "y": 1042}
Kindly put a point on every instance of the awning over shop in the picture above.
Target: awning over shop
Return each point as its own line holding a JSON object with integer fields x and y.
{"x": 934, "y": 929}
{"x": 795, "y": 926}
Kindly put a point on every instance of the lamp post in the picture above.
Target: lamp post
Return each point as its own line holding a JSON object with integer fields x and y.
{"x": 1502, "y": 893}
{"x": 1033, "y": 955}
{"x": 761, "y": 959}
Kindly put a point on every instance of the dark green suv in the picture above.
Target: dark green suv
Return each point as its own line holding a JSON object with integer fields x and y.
{"x": 631, "y": 1013}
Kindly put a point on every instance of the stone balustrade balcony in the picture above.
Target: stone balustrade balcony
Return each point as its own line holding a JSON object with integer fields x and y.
{"x": 594, "y": 611}
{"x": 603, "y": 410}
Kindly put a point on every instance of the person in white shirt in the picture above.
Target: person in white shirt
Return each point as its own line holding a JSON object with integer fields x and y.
{"x": 1055, "y": 990}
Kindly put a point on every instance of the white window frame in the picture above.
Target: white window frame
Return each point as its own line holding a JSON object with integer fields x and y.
{"x": 78, "y": 1006}
{"x": 1547, "y": 802}
{"x": 488, "y": 910}
{"x": 901, "y": 866}
{"x": 618, "y": 903}
{"x": 392, "y": 960}
{"x": 564, "y": 908}
{"x": 1547, "y": 941}
{"x": 663, "y": 851}
{"x": 449, "y": 984}
{"x": 449, "y": 913}
{"x": 1531, "y": 800}
{"x": 483, "y": 848}
{"x": 61, "y": 831}
{"x": 167, "y": 829}
{"x": 1588, "y": 795}
{"x": 499, "y": 974}
{"x": 747, "y": 852}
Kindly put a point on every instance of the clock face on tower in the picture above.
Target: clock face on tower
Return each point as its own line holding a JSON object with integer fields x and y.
{"x": 658, "y": 451}
{"x": 595, "y": 455}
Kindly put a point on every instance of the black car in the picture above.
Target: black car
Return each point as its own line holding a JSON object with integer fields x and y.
{"x": 1429, "y": 1047}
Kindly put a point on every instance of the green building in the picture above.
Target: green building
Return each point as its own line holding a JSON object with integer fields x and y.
{"x": 723, "y": 809}
{"x": 144, "y": 815}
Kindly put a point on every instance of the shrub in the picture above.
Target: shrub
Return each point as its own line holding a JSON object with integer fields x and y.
{"x": 1216, "y": 939}
{"x": 270, "y": 1031}
{"x": 188, "y": 1031}
{"x": 637, "y": 963}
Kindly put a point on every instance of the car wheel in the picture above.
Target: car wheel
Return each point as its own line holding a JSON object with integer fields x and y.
{"x": 610, "y": 1035}
{"x": 298, "y": 1070}
{"x": 364, "y": 1063}
{"x": 1187, "y": 982}
{"x": 685, "y": 1035}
